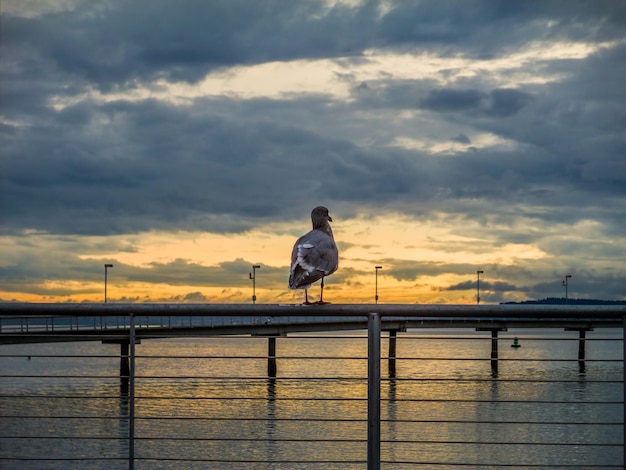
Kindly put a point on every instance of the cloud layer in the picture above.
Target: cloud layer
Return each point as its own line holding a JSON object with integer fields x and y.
{"x": 503, "y": 122}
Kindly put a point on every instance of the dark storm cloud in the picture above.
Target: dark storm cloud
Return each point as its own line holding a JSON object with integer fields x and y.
{"x": 584, "y": 282}
{"x": 486, "y": 28}
{"x": 114, "y": 44}
{"x": 155, "y": 165}
{"x": 506, "y": 102}
{"x": 487, "y": 286}
{"x": 453, "y": 100}
{"x": 497, "y": 103}
{"x": 461, "y": 139}
{"x": 524, "y": 279}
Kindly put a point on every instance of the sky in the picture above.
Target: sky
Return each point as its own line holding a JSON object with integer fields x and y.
{"x": 184, "y": 143}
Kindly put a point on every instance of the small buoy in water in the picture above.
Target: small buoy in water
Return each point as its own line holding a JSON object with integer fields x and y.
{"x": 516, "y": 343}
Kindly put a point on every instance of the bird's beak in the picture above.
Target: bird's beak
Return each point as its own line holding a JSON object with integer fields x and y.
{"x": 330, "y": 219}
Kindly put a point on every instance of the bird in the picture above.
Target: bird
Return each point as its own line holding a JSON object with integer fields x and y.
{"x": 314, "y": 255}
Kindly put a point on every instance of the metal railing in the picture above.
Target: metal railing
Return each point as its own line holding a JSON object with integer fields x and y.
{"x": 431, "y": 399}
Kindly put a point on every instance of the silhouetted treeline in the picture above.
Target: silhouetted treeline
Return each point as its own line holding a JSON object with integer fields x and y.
{"x": 562, "y": 301}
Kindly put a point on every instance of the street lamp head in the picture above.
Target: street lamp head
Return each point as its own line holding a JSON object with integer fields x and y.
{"x": 108, "y": 265}
{"x": 379, "y": 267}
{"x": 256, "y": 266}
{"x": 480, "y": 272}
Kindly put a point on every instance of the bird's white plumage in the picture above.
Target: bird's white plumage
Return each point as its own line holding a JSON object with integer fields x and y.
{"x": 301, "y": 259}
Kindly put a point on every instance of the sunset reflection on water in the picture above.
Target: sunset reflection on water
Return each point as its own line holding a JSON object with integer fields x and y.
{"x": 210, "y": 399}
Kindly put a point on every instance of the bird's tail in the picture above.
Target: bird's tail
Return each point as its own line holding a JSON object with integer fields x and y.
{"x": 300, "y": 279}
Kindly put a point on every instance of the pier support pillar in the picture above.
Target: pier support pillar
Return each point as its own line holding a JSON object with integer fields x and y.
{"x": 581, "y": 344}
{"x": 392, "y": 353}
{"x": 494, "y": 352}
{"x": 271, "y": 352}
{"x": 271, "y": 356}
{"x": 124, "y": 366}
{"x": 124, "y": 361}
{"x": 582, "y": 338}
{"x": 494, "y": 347}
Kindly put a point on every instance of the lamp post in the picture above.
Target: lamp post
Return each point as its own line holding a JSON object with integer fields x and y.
{"x": 376, "y": 269}
{"x": 567, "y": 276}
{"x": 478, "y": 273}
{"x": 106, "y": 267}
{"x": 253, "y": 277}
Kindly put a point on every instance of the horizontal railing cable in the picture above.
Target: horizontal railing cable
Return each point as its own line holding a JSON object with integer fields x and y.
{"x": 325, "y": 420}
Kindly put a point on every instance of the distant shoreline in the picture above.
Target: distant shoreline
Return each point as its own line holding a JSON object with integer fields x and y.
{"x": 563, "y": 301}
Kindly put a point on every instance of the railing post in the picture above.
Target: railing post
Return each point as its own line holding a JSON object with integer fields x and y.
{"x": 131, "y": 401}
{"x": 373, "y": 391}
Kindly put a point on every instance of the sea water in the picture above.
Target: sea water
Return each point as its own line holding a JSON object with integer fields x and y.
{"x": 209, "y": 403}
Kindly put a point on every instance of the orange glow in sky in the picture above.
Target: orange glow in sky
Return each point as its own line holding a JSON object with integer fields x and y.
{"x": 207, "y": 267}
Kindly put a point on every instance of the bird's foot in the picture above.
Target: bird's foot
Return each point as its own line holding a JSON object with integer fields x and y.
{"x": 322, "y": 302}
{"x": 306, "y": 302}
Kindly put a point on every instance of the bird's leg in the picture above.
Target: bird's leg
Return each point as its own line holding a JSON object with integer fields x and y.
{"x": 321, "y": 301}
{"x": 306, "y": 298}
